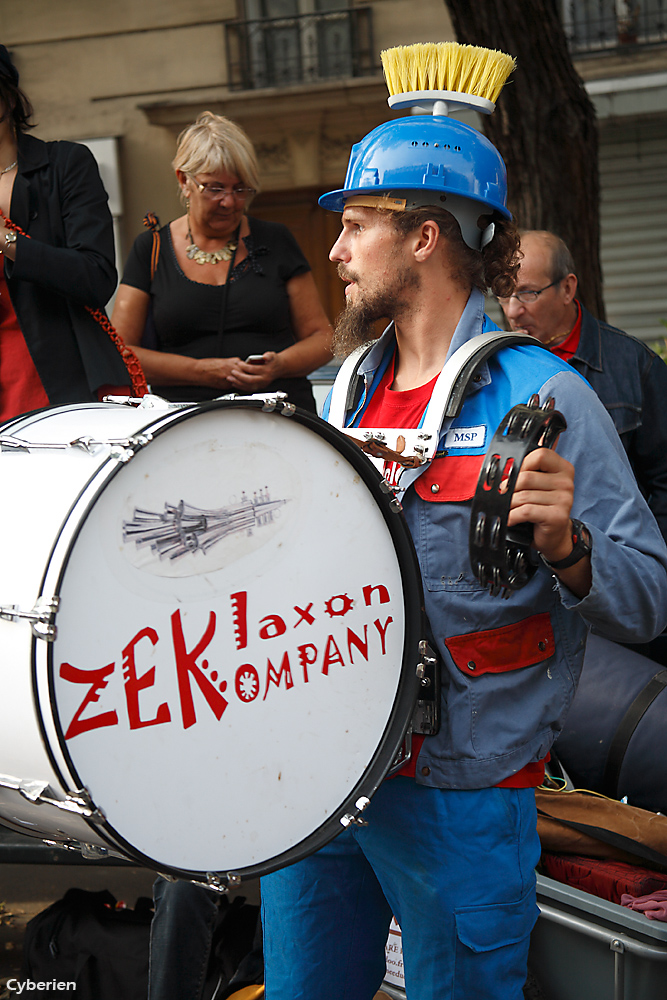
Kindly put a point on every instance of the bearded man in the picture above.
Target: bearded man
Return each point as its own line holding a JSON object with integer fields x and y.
{"x": 450, "y": 846}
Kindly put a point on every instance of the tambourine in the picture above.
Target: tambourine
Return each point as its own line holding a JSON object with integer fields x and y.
{"x": 502, "y": 558}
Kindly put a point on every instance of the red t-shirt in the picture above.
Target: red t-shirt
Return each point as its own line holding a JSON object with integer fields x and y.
{"x": 391, "y": 408}
{"x": 568, "y": 347}
{"x": 21, "y": 388}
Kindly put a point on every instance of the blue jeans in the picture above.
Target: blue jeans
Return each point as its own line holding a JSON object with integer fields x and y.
{"x": 457, "y": 870}
{"x": 181, "y": 934}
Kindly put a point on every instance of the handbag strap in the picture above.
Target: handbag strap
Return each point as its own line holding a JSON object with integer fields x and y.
{"x": 151, "y": 221}
{"x": 626, "y": 727}
{"x": 612, "y": 838}
{"x": 225, "y": 293}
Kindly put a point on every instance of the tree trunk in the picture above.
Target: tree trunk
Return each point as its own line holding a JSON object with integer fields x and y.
{"x": 544, "y": 127}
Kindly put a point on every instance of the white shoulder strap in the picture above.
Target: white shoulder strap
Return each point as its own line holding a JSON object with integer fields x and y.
{"x": 449, "y": 390}
{"x": 343, "y": 387}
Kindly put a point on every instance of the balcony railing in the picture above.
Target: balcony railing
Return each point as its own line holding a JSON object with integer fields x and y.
{"x": 603, "y": 25}
{"x": 308, "y": 48}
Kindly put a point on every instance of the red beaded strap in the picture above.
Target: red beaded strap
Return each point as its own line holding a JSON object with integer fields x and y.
{"x": 130, "y": 360}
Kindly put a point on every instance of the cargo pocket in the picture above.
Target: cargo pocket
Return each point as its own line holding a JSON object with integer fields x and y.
{"x": 492, "y": 948}
{"x": 506, "y": 667}
{"x": 499, "y": 650}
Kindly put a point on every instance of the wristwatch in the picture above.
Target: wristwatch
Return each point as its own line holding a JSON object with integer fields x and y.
{"x": 10, "y": 237}
{"x": 581, "y": 546}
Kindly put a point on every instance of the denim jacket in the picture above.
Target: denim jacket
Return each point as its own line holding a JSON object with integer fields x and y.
{"x": 631, "y": 381}
{"x": 510, "y": 667}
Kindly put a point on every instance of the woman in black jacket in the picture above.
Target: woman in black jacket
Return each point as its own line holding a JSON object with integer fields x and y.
{"x": 56, "y": 245}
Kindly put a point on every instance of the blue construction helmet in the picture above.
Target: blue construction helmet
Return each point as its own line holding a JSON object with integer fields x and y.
{"x": 428, "y": 160}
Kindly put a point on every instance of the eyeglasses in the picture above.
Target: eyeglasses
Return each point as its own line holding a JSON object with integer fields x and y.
{"x": 215, "y": 191}
{"x": 530, "y": 296}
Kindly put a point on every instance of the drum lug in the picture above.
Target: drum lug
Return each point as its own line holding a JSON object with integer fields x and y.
{"x": 426, "y": 716}
{"x": 395, "y": 504}
{"x": 276, "y": 401}
{"x": 123, "y": 451}
{"x": 41, "y": 618}
{"x": 351, "y": 820}
{"x": 428, "y": 660}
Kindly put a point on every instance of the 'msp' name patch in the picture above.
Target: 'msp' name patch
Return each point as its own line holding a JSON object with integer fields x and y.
{"x": 466, "y": 437}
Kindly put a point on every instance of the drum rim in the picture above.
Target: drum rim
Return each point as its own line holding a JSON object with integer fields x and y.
{"x": 407, "y": 688}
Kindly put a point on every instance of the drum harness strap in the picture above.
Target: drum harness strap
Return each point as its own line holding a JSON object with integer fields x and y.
{"x": 445, "y": 404}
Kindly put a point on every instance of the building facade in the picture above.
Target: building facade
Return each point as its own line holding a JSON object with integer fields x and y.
{"x": 303, "y": 78}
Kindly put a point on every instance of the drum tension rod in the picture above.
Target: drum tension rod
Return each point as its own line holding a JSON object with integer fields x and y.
{"x": 395, "y": 504}
{"x": 122, "y": 448}
{"x": 270, "y": 401}
{"x": 41, "y": 617}
{"x": 39, "y": 791}
{"x": 350, "y": 820}
{"x": 92, "y": 852}
{"x": 222, "y": 881}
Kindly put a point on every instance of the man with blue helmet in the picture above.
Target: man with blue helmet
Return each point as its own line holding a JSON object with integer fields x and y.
{"x": 450, "y": 846}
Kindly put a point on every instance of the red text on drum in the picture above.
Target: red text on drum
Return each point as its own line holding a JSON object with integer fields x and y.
{"x": 247, "y": 683}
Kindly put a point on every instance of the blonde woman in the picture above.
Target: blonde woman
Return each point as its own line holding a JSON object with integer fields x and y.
{"x": 226, "y": 288}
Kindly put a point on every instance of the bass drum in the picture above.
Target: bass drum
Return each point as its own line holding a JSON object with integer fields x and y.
{"x": 210, "y": 630}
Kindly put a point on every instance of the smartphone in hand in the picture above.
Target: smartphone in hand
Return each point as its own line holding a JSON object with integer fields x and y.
{"x": 255, "y": 359}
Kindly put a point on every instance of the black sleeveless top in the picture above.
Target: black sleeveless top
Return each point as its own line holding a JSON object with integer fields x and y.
{"x": 186, "y": 313}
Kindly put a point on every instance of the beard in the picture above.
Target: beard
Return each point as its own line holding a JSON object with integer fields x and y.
{"x": 356, "y": 324}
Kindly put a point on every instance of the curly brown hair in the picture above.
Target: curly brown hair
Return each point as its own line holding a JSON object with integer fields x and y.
{"x": 494, "y": 268}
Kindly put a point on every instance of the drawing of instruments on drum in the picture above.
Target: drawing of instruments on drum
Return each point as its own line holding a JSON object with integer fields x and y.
{"x": 182, "y": 528}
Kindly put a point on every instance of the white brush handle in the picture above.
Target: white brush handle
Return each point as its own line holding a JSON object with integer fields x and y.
{"x": 440, "y": 102}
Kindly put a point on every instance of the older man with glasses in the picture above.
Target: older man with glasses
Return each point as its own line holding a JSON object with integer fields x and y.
{"x": 629, "y": 378}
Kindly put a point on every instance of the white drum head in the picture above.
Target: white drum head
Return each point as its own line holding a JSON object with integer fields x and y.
{"x": 236, "y": 644}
